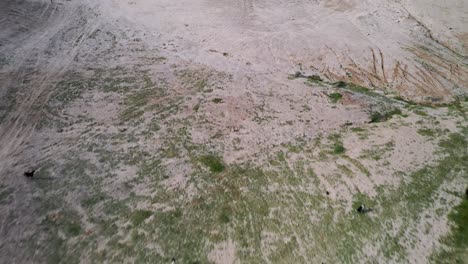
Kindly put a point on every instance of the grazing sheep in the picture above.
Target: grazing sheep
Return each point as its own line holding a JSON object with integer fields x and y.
{"x": 363, "y": 209}
{"x": 29, "y": 173}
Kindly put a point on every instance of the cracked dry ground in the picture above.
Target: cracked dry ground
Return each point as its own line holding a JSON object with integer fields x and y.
{"x": 232, "y": 132}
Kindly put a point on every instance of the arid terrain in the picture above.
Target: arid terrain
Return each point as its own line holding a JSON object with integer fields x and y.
{"x": 233, "y": 131}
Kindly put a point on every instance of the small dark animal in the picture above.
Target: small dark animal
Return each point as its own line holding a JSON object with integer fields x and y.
{"x": 173, "y": 261}
{"x": 362, "y": 209}
{"x": 29, "y": 173}
{"x": 466, "y": 192}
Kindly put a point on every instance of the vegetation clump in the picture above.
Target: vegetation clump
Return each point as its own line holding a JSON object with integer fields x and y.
{"x": 335, "y": 97}
{"x": 217, "y": 100}
{"x": 459, "y": 217}
{"x": 214, "y": 163}
{"x": 140, "y": 216}
{"x": 338, "y": 148}
{"x": 377, "y": 117}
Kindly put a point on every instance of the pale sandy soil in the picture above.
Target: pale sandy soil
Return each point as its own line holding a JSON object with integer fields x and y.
{"x": 115, "y": 104}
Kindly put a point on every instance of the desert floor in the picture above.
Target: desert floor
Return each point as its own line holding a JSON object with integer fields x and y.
{"x": 233, "y": 131}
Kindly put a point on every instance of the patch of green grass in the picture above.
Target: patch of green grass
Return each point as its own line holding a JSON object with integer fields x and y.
{"x": 341, "y": 84}
{"x": 377, "y": 152}
{"x": 345, "y": 170}
{"x": 420, "y": 112}
{"x": 356, "y": 88}
{"x": 358, "y": 165}
{"x": 338, "y": 148}
{"x": 294, "y": 148}
{"x": 154, "y": 126}
{"x": 115, "y": 207}
{"x": 70, "y": 90}
{"x": 65, "y": 220}
{"x": 93, "y": 200}
{"x": 134, "y": 104}
{"x": 426, "y": 132}
{"x": 171, "y": 151}
{"x": 454, "y": 142}
{"x": 457, "y": 251}
{"x": 73, "y": 229}
{"x": 117, "y": 84}
{"x": 139, "y": 216}
{"x": 314, "y": 78}
{"x": 224, "y": 216}
{"x": 310, "y": 78}
{"x": 337, "y": 144}
{"x": 361, "y": 132}
{"x": 214, "y": 163}
{"x": 411, "y": 198}
{"x": 152, "y": 168}
{"x": 460, "y": 106}
{"x": 358, "y": 129}
{"x": 217, "y": 100}
{"x": 335, "y": 97}
{"x": 376, "y": 117}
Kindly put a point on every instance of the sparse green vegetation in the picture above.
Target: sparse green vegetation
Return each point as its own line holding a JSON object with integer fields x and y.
{"x": 335, "y": 97}
{"x": 338, "y": 148}
{"x": 361, "y": 132}
{"x": 358, "y": 129}
{"x": 376, "y": 117}
{"x": 420, "y": 112}
{"x": 214, "y": 163}
{"x": 148, "y": 199}
{"x": 358, "y": 165}
{"x": 217, "y": 100}
{"x": 427, "y": 132}
{"x": 314, "y": 78}
{"x": 458, "y": 241}
{"x": 310, "y": 78}
{"x": 224, "y": 215}
{"x": 93, "y": 200}
{"x": 345, "y": 170}
{"x": 139, "y": 216}
{"x": 337, "y": 144}
{"x": 73, "y": 229}
{"x": 238, "y": 205}
{"x": 341, "y": 84}
{"x": 134, "y": 104}
{"x": 377, "y": 152}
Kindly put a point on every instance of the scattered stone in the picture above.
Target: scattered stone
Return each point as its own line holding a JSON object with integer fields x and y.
{"x": 60, "y": 130}
{"x": 29, "y": 173}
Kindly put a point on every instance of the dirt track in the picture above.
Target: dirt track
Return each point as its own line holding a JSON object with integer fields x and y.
{"x": 125, "y": 108}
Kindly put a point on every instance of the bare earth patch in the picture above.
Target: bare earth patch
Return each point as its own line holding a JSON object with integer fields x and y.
{"x": 233, "y": 131}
